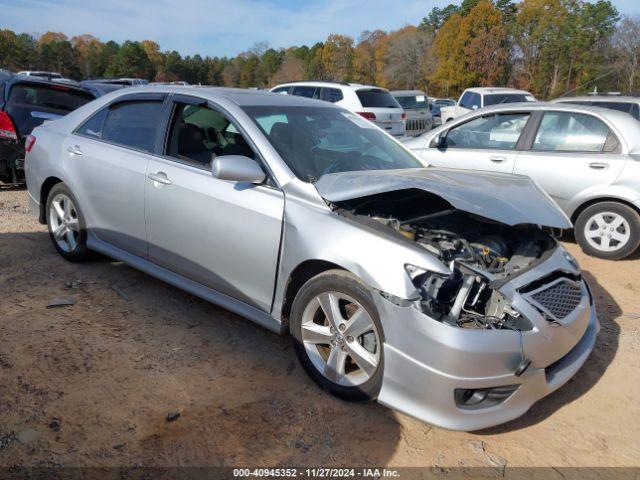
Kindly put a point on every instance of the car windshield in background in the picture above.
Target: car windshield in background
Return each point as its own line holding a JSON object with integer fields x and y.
{"x": 376, "y": 98}
{"x": 626, "y": 107}
{"x": 314, "y": 141}
{"x": 497, "y": 99}
{"x": 54, "y": 96}
{"x": 413, "y": 102}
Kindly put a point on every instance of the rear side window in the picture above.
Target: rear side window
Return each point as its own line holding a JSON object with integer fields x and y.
{"x": 308, "y": 92}
{"x": 332, "y": 95}
{"x": 377, "y": 98}
{"x": 574, "y": 132}
{"x": 51, "y": 97}
{"x": 131, "y": 124}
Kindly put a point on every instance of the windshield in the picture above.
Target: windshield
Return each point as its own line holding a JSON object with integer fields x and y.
{"x": 318, "y": 140}
{"x": 376, "y": 98}
{"x": 507, "y": 98}
{"x": 413, "y": 102}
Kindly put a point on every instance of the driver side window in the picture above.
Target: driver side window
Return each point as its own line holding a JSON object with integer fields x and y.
{"x": 199, "y": 134}
{"x": 496, "y": 132}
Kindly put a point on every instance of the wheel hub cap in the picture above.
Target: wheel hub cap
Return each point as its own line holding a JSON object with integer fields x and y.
{"x": 607, "y": 231}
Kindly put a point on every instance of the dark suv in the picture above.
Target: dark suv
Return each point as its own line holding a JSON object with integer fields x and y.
{"x": 25, "y": 103}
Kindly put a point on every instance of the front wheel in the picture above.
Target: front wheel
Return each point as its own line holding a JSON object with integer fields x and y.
{"x": 608, "y": 230}
{"x": 66, "y": 224}
{"x": 337, "y": 335}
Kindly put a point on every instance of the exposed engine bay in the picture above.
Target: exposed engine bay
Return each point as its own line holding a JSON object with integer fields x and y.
{"x": 481, "y": 254}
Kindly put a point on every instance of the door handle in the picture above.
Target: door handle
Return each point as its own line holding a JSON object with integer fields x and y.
{"x": 160, "y": 177}
{"x": 598, "y": 165}
{"x": 498, "y": 159}
{"x": 74, "y": 150}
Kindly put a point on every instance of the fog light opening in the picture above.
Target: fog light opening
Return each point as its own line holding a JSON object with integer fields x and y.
{"x": 473, "y": 399}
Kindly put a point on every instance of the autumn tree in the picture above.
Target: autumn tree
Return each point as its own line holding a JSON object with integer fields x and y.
{"x": 364, "y": 56}
{"x": 406, "y": 59}
{"x": 87, "y": 49}
{"x": 292, "y": 69}
{"x": 336, "y": 58}
{"x": 627, "y": 44}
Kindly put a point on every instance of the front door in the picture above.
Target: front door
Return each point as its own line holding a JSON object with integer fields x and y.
{"x": 222, "y": 234}
{"x": 486, "y": 143}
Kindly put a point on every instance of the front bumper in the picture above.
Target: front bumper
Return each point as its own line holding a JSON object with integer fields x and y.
{"x": 426, "y": 361}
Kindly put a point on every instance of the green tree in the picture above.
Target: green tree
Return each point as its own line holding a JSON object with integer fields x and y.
{"x": 130, "y": 61}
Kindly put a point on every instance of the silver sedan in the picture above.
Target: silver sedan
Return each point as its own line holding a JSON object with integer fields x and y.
{"x": 441, "y": 294}
{"x": 586, "y": 158}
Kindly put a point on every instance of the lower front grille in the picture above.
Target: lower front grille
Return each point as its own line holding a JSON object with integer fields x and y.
{"x": 417, "y": 126}
{"x": 557, "y": 299}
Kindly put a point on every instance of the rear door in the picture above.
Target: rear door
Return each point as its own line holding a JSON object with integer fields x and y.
{"x": 384, "y": 110}
{"x": 571, "y": 154}
{"x": 30, "y": 104}
{"x": 487, "y": 143}
{"x": 109, "y": 154}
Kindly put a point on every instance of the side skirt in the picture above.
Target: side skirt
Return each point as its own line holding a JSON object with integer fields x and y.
{"x": 195, "y": 288}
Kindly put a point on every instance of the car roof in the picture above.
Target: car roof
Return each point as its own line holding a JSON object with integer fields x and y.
{"x": 599, "y": 98}
{"x": 324, "y": 83}
{"x": 240, "y": 96}
{"x": 407, "y": 93}
{"x": 32, "y": 79}
{"x": 490, "y": 90}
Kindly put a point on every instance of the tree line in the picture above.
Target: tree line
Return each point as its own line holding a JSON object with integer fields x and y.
{"x": 549, "y": 47}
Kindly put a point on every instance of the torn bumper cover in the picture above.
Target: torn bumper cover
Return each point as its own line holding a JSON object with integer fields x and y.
{"x": 466, "y": 379}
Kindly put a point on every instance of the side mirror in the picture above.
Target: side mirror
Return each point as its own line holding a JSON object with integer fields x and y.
{"x": 439, "y": 140}
{"x": 237, "y": 168}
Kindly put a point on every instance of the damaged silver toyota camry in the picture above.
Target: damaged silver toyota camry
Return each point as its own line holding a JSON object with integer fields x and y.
{"x": 439, "y": 293}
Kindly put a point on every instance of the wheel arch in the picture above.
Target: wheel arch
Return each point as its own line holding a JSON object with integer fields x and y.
{"x": 46, "y": 187}
{"x": 298, "y": 277}
{"x": 582, "y": 207}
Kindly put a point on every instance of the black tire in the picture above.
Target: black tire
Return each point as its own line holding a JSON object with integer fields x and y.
{"x": 629, "y": 214}
{"x": 343, "y": 282}
{"x": 80, "y": 253}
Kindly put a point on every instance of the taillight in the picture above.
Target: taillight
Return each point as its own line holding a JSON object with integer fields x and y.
{"x": 7, "y": 130}
{"x": 403, "y": 116}
{"x": 29, "y": 142}
{"x": 367, "y": 115}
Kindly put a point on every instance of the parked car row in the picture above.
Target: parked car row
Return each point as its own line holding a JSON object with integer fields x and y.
{"x": 442, "y": 294}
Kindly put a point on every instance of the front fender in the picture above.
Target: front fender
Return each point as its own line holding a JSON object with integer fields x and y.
{"x": 377, "y": 258}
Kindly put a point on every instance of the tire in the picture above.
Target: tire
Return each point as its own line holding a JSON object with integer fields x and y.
{"x": 66, "y": 225}
{"x": 608, "y": 230}
{"x": 318, "y": 341}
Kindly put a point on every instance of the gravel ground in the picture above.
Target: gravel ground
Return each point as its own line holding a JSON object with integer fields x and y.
{"x": 92, "y": 384}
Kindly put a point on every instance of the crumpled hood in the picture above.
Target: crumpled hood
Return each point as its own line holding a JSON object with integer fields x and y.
{"x": 505, "y": 198}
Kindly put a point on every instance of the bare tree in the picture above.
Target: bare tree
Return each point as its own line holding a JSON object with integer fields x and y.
{"x": 627, "y": 43}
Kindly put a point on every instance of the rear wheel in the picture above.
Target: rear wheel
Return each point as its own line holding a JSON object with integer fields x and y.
{"x": 609, "y": 230}
{"x": 338, "y": 336}
{"x": 66, "y": 224}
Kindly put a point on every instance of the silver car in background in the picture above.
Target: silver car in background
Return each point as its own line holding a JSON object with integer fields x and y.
{"x": 586, "y": 158}
{"x": 438, "y": 293}
{"x": 417, "y": 108}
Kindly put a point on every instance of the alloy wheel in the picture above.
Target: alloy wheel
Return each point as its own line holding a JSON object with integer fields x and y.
{"x": 64, "y": 222}
{"x": 340, "y": 339}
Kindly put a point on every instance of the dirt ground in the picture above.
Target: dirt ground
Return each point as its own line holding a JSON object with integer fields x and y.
{"x": 92, "y": 384}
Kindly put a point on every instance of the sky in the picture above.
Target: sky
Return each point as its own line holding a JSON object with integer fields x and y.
{"x": 220, "y": 27}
